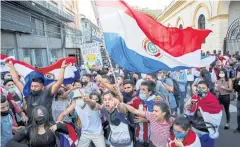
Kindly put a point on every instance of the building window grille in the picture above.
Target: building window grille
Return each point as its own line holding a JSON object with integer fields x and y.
{"x": 180, "y": 26}
{"x": 201, "y": 23}
{"x": 37, "y": 26}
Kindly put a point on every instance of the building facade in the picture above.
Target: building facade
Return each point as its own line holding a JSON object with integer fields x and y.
{"x": 37, "y": 32}
{"x": 222, "y": 17}
{"x": 92, "y": 34}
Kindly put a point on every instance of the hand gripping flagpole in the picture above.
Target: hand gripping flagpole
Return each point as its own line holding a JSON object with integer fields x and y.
{"x": 93, "y": 3}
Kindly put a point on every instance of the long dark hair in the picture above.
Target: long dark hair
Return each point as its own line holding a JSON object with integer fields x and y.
{"x": 225, "y": 72}
{"x": 164, "y": 108}
{"x": 34, "y": 127}
{"x": 182, "y": 121}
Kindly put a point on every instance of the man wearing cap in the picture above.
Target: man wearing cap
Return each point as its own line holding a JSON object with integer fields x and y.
{"x": 88, "y": 112}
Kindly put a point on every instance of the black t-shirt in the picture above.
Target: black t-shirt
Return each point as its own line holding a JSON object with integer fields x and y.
{"x": 43, "y": 99}
{"x": 48, "y": 139}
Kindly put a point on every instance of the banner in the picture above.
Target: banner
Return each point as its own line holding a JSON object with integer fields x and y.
{"x": 91, "y": 55}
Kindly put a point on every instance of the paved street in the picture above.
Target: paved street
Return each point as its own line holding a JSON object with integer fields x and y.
{"x": 227, "y": 138}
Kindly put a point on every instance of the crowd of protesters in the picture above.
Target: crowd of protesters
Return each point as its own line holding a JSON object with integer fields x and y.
{"x": 118, "y": 108}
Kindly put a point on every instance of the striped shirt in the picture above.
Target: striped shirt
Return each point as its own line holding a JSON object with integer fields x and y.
{"x": 159, "y": 132}
{"x": 142, "y": 130}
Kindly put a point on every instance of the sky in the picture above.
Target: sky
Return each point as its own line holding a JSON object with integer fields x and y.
{"x": 86, "y": 9}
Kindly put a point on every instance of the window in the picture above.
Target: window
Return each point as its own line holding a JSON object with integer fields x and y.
{"x": 53, "y": 30}
{"x": 180, "y": 26}
{"x": 201, "y": 23}
{"x": 35, "y": 57}
{"x": 27, "y": 56}
{"x": 37, "y": 26}
{"x": 7, "y": 51}
{"x": 55, "y": 54}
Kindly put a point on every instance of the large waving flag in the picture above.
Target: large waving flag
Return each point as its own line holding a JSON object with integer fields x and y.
{"x": 141, "y": 44}
{"x": 49, "y": 74}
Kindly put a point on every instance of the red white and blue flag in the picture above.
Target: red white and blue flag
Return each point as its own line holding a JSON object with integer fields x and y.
{"x": 211, "y": 111}
{"x": 139, "y": 43}
{"x": 49, "y": 74}
{"x": 190, "y": 140}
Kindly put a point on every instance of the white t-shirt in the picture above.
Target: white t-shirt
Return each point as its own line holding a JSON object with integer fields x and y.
{"x": 90, "y": 119}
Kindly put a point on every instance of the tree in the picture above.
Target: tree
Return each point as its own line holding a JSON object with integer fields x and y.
{"x": 149, "y": 12}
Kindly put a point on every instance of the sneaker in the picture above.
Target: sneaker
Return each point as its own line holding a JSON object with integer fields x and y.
{"x": 237, "y": 130}
{"x": 226, "y": 127}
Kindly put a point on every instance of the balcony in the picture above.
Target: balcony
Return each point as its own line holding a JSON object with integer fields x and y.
{"x": 47, "y": 8}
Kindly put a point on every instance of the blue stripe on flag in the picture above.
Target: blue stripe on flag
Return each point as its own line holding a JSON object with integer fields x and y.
{"x": 131, "y": 60}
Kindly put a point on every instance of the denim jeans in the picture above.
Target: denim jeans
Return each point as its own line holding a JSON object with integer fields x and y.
{"x": 181, "y": 101}
{"x": 206, "y": 141}
{"x": 190, "y": 84}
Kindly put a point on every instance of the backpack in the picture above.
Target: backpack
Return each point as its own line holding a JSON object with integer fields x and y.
{"x": 176, "y": 89}
{"x": 123, "y": 119}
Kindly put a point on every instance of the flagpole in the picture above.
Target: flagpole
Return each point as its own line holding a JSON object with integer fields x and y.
{"x": 100, "y": 27}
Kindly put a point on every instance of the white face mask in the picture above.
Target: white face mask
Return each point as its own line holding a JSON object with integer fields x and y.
{"x": 80, "y": 103}
{"x": 222, "y": 75}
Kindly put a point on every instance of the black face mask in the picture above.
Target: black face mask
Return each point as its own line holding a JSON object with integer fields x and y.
{"x": 5, "y": 113}
{"x": 36, "y": 92}
{"x": 40, "y": 120}
{"x": 60, "y": 92}
{"x": 201, "y": 93}
{"x": 84, "y": 83}
{"x": 134, "y": 80}
{"x": 129, "y": 93}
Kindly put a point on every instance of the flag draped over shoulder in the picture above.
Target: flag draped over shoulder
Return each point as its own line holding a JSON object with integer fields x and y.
{"x": 49, "y": 74}
{"x": 139, "y": 43}
{"x": 211, "y": 111}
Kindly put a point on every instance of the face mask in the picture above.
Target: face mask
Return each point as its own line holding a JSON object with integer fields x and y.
{"x": 60, "y": 92}
{"x": 40, "y": 120}
{"x": 5, "y": 113}
{"x": 201, "y": 93}
{"x": 12, "y": 90}
{"x": 222, "y": 75}
{"x": 134, "y": 80}
{"x": 84, "y": 83}
{"x": 129, "y": 93}
{"x": 179, "y": 135}
{"x": 143, "y": 96}
{"x": 159, "y": 78}
{"x": 80, "y": 103}
{"x": 36, "y": 92}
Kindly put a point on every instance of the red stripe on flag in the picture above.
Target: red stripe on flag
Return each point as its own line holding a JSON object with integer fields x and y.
{"x": 44, "y": 70}
{"x": 174, "y": 41}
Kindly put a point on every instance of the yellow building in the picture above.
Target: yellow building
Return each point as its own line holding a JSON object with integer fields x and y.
{"x": 222, "y": 17}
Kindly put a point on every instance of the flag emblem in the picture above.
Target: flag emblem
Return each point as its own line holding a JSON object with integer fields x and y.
{"x": 151, "y": 48}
